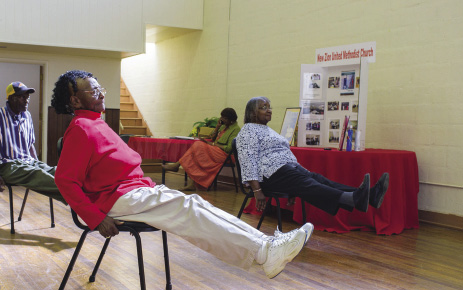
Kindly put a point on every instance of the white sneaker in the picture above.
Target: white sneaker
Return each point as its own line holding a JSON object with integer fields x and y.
{"x": 282, "y": 250}
{"x": 308, "y": 228}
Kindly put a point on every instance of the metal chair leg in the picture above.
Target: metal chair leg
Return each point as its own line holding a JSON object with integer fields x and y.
{"x": 267, "y": 207}
{"x": 234, "y": 179}
{"x": 10, "y": 190}
{"x": 52, "y": 215}
{"x": 98, "y": 262}
{"x": 215, "y": 182}
{"x": 242, "y": 206}
{"x": 23, "y": 205}
{"x": 141, "y": 268}
{"x": 73, "y": 260}
{"x": 280, "y": 226}
{"x": 304, "y": 215}
{"x": 166, "y": 261}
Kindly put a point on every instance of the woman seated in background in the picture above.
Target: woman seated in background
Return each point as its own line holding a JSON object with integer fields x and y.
{"x": 204, "y": 159}
{"x": 267, "y": 163}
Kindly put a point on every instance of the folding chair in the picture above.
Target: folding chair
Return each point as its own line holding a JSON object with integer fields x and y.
{"x": 271, "y": 195}
{"x": 10, "y": 190}
{"x": 227, "y": 163}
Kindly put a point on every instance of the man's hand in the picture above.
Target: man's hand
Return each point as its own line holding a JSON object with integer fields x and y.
{"x": 107, "y": 228}
{"x": 2, "y": 185}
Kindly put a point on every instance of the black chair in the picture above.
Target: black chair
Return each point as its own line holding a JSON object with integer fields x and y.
{"x": 271, "y": 195}
{"x": 135, "y": 228}
{"x": 227, "y": 163}
{"x": 10, "y": 190}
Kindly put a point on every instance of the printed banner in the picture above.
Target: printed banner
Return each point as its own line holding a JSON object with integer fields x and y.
{"x": 346, "y": 54}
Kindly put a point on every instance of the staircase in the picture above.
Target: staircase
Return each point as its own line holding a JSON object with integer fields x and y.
{"x": 133, "y": 124}
{"x": 131, "y": 119}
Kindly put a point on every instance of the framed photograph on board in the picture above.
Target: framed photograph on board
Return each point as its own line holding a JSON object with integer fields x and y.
{"x": 288, "y": 128}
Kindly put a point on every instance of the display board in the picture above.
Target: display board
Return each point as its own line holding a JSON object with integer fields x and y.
{"x": 332, "y": 90}
{"x": 327, "y": 96}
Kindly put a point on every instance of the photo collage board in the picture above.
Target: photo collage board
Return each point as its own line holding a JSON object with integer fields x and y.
{"x": 328, "y": 97}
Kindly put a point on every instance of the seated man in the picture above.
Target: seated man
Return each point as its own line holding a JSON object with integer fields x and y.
{"x": 18, "y": 158}
{"x": 101, "y": 178}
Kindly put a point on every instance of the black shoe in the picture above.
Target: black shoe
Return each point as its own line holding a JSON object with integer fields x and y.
{"x": 362, "y": 194}
{"x": 379, "y": 190}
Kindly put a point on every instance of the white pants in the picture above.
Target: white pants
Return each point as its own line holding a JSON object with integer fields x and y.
{"x": 194, "y": 219}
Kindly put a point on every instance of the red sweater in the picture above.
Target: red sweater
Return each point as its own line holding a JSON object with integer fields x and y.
{"x": 96, "y": 167}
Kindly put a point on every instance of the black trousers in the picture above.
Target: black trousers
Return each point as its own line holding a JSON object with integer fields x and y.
{"x": 314, "y": 188}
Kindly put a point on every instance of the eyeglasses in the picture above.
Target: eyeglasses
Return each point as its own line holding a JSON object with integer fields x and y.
{"x": 96, "y": 92}
{"x": 265, "y": 108}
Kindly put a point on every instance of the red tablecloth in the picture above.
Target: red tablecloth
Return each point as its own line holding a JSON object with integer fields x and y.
{"x": 160, "y": 148}
{"x": 399, "y": 210}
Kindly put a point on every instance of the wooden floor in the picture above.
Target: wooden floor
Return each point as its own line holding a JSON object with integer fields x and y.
{"x": 36, "y": 257}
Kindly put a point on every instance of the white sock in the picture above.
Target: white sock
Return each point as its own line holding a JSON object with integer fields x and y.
{"x": 261, "y": 255}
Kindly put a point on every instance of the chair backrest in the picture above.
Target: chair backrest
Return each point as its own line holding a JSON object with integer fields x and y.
{"x": 59, "y": 145}
{"x": 237, "y": 162}
{"x": 229, "y": 162}
{"x": 238, "y": 168}
{"x": 126, "y": 137}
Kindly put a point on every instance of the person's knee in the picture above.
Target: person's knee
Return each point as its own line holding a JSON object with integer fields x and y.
{"x": 198, "y": 199}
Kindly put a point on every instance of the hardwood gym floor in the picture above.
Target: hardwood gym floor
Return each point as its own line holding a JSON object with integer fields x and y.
{"x": 37, "y": 256}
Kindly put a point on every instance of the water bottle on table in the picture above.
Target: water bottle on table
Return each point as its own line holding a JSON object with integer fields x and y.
{"x": 350, "y": 134}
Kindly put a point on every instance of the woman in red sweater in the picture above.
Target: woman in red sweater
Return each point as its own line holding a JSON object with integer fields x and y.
{"x": 101, "y": 179}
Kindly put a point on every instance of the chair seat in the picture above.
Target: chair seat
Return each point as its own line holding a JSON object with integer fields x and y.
{"x": 127, "y": 226}
{"x": 138, "y": 226}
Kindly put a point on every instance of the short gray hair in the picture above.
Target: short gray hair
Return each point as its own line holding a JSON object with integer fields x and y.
{"x": 251, "y": 109}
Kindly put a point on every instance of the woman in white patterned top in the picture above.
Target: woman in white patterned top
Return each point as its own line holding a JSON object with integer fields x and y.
{"x": 267, "y": 163}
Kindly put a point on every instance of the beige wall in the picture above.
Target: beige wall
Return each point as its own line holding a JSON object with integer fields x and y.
{"x": 174, "y": 13}
{"x": 105, "y": 69}
{"x": 182, "y": 80}
{"x": 414, "y": 96}
{"x": 104, "y": 24}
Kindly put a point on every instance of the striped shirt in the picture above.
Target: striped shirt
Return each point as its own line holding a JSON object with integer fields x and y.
{"x": 16, "y": 135}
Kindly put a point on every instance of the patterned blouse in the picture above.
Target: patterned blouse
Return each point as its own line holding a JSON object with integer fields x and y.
{"x": 261, "y": 152}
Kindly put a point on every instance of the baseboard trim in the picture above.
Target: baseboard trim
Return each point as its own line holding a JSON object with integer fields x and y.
{"x": 440, "y": 219}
